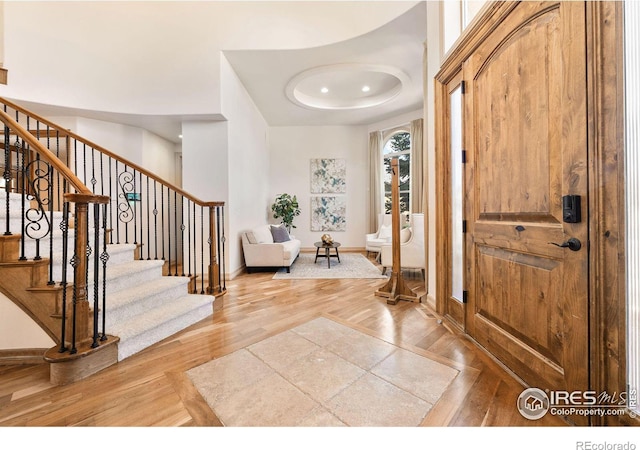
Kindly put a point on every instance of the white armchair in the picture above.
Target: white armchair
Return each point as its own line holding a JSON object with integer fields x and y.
{"x": 382, "y": 236}
{"x": 411, "y": 251}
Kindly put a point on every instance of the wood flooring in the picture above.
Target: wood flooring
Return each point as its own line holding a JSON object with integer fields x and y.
{"x": 150, "y": 389}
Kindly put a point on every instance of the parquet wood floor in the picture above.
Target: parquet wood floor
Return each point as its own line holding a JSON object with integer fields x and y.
{"x": 151, "y": 388}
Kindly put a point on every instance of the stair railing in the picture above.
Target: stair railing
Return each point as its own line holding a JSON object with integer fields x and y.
{"x": 32, "y": 173}
{"x": 162, "y": 220}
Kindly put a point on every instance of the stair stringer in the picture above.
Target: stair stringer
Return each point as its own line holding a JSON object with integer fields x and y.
{"x": 25, "y": 284}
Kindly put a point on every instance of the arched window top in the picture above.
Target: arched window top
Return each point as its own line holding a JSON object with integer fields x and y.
{"x": 397, "y": 145}
{"x": 397, "y": 142}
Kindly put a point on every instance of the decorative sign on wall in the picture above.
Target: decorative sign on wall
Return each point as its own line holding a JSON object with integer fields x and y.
{"x": 328, "y": 176}
{"x": 328, "y": 213}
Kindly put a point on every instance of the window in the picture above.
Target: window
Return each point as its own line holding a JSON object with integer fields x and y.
{"x": 632, "y": 181}
{"x": 457, "y": 195}
{"x": 397, "y": 145}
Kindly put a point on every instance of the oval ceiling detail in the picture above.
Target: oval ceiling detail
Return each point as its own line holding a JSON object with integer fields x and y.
{"x": 346, "y": 86}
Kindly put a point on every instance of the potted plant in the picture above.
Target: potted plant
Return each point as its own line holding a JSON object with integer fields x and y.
{"x": 286, "y": 208}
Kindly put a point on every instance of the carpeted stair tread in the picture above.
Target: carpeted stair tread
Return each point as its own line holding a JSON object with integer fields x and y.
{"x": 118, "y": 254}
{"x": 143, "y": 330}
{"x": 157, "y": 290}
{"x": 128, "y": 274}
{"x": 132, "y": 267}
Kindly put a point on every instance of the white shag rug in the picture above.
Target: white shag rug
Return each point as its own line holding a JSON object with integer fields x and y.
{"x": 351, "y": 265}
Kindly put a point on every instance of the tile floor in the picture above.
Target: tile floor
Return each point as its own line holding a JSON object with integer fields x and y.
{"x": 322, "y": 373}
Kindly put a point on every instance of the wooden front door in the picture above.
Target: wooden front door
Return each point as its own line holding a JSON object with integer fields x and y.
{"x": 526, "y": 116}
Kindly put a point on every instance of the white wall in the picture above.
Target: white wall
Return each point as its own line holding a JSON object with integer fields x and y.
{"x": 1, "y": 33}
{"x": 132, "y": 143}
{"x": 158, "y": 157}
{"x": 18, "y": 329}
{"x": 123, "y": 140}
{"x": 248, "y": 156}
{"x": 205, "y": 165}
{"x": 434, "y": 53}
{"x": 403, "y": 119}
{"x": 291, "y": 150}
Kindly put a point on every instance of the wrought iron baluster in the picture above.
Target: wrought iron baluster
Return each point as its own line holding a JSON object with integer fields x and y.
{"x": 221, "y": 256}
{"x": 50, "y": 201}
{"x": 23, "y": 199}
{"x": 139, "y": 201}
{"x": 84, "y": 163}
{"x": 104, "y": 257}
{"x": 75, "y": 263}
{"x": 93, "y": 170}
{"x": 112, "y": 197}
{"x": 195, "y": 253}
{"x": 162, "y": 217}
{"x": 75, "y": 156}
{"x": 148, "y": 223}
{"x": 217, "y": 252}
{"x": 96, "y": 273}
{"x": 135, "y": 205}
{"x": 169, "y": 227}
{"x": 189, "y": 235}
{"x": 202, "y": 249}
{"x": 182, "y": 227}
{"x": 101, "y": 175}
{"x": 126, "y": 213}
{"x": 7, "y": 177}
{"x": 118, "y": 217}
{"x": 88, "y": 252}
{"x": 64, "y": 226}
{"x": 175, "y": 216}
{"x": 155, "y": 217}
{"x": 37, "y": 222}
{"x": 57, "y": 205}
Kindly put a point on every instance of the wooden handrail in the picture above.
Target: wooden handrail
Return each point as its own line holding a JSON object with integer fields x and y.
{"x": 114, "y": 156}
{"x": 35, "y": 145}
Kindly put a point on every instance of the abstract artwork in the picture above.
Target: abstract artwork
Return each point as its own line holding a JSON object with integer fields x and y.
{"x": 328, "y": 176}
{"x": 328, "y": 213}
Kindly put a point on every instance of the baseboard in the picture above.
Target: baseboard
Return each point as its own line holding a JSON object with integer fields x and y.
{"x": 22, "y": 356}
{"x": 235, "y": 273}
{"x": 431, "y": 301}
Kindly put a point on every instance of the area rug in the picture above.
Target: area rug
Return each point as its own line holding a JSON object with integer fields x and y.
{"x": 322, "y": 373}
{"x": 351, "y": 265}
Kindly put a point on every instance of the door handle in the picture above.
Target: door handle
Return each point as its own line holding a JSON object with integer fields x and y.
{"x": 572, "y": 244}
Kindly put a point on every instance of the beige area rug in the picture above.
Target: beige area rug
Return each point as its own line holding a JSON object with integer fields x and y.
{"x": 322, "y": 373}
{"x": 351, "y": 265}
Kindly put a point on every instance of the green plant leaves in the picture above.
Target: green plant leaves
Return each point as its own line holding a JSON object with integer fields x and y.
{"x": 286, "y": 208}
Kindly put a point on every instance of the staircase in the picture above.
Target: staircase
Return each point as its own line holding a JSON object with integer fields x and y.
{"x": 125, "y": 302}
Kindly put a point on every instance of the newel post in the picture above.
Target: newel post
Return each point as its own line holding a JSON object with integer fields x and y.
{"x": 80, "y": 314}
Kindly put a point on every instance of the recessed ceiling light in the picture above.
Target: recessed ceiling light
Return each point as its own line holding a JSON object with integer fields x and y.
{"x": 324, "y": 90}
{"x": 180, "y": 136}
{"x": 366, "y": 88}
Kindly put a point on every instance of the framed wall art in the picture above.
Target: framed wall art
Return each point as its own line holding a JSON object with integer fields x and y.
{"x": 328, "y": 176}
{"x": 328, "y": 213}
